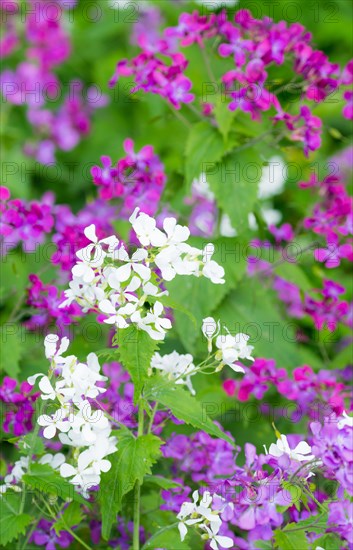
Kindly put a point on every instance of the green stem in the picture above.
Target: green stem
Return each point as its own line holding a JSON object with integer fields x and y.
{"x": 137, "y": 490}
{"x": 154, "y": 410}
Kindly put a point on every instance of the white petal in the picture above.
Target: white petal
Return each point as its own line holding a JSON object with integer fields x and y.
{"x": 107, "y": 307}
{"x": 32, "y": 379}
{"x": 50, "y": 431}
{"x": 182, "y": 530}
{"x": 50, "y": 343}
{"x": 225, "y": 542}
{"x": 66, "y": 470}
{"x": 90, "y": 233}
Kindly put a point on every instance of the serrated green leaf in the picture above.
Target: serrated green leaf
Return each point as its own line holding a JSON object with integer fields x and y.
{"x": 12, "y": 523}
{"x": 204, "y": 147}
{"x": 224, "y": 117}
{"x": 33, "y": 442}
{"x": 136, "y": 349}
{"x": 329, "y": 542}
{"x": 183, "y": 405}
{"x": 234, "y": 182}
{"x": 287, "y": 540}
{"x": 44, "y": 479}
{"x": 71, "y": 516}
{"x": 132, "y": 461}
{"x": 201, "y": 296}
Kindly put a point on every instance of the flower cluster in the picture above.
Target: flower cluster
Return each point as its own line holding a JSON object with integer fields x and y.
{"x": 138, "y": 179}
{"x": 24, "y": 222}
{"x": 332, "y": 442}
{"x": 247, "y": 496}
{"x": 87, "y": 430}
{"x": 312, "y": 392}
{"x": 106, "y": 279}
{"x": 332, "y": 217}
{"x": 254, "y": 45}
{"x": 17, "y": 406}
{"x": 45, "y": 299}
{"x": 201, "y": 514}
{"x": 33, "y": 82}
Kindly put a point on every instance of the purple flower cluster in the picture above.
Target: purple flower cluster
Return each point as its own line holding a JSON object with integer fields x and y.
{"x": 17, "y": 406}
{"x": 45, "y": 535}
{"x": 138, "y": 179}
{"x": 33, "y": 82}
{"x": 46, "y": 298}
{"x": 24, "y": 222}
{"x": 332, "y": 443}
{"x": 312, "y": 392}
{"x": 68, "y": 235}
{"x": 254, "y": 45}
{"x": 331, "y": 217}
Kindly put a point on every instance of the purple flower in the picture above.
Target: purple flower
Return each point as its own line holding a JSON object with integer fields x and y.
{"x": 44, "y": 535}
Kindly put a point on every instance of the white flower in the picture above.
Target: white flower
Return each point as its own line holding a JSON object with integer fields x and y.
{"x": 232, "y": 348}
{"x": 273, "y": 178}
{"x": 19, "y": 469}
{"x": 345, "y": 421}
{"x": 123, "y": 273}
{"x": 176, "y": 234}
{"x": 175, "y": 366}
{"x": 51, "y": 424}
{"x": 300, "y": 453}
{"x": 52, "y": 351}
{"x": 215, "y": 539}
{"x": 210, "y": 329}
{"x": 92, "y": 256}
{"x": 55, "y": 461}
{"x": 200, "y": 514}
{"x": 212, "y": 270}
{"x": 152, "y": 323}
{"x": 115, "y": 318}
{"x": 226, "y": 229}
{"x": 146, "y": 230}
{"x": 201, "y": 187}
{"x": 83, "y": 474}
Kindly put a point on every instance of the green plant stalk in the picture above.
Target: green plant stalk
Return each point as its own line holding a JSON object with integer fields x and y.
{"x": 137, "y": 490}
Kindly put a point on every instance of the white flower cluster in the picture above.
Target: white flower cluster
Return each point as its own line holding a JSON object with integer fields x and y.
{"x": 230, "y": 349}
{"x": 77, "y": 424}
{"x": 175, "y": 367}
{"x": 200, "y": 513}
{"x": 108, "y": 280}
{"x": 20, "y": 468}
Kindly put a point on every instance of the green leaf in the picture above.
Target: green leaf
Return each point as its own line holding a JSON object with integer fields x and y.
{"x": 12, "y": 524}
{"x": 287, "y": 540}
{"x": 224, "y": 117}
{"x": 263, "y": 545}
{"x": 11, "y": 348}
{"x": 71, "y": 516}
{"x": 136, "y": 348}
{"x": 202, "y": 297}
{"x": 162, "y": 482}
{"x": 234, "y": 182}
{"x": 130, "y": 464}
{"x": 251, "y": 308}
{"x": 329, "y": 542}
{"x": 166, "y": 538}
{"x": 30, "y": 441}
{"x": 204, "y": 147}
{"x": 314, "y": 524}
{"x": 44, "y": 478}
{"x": 182, "y": 404}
